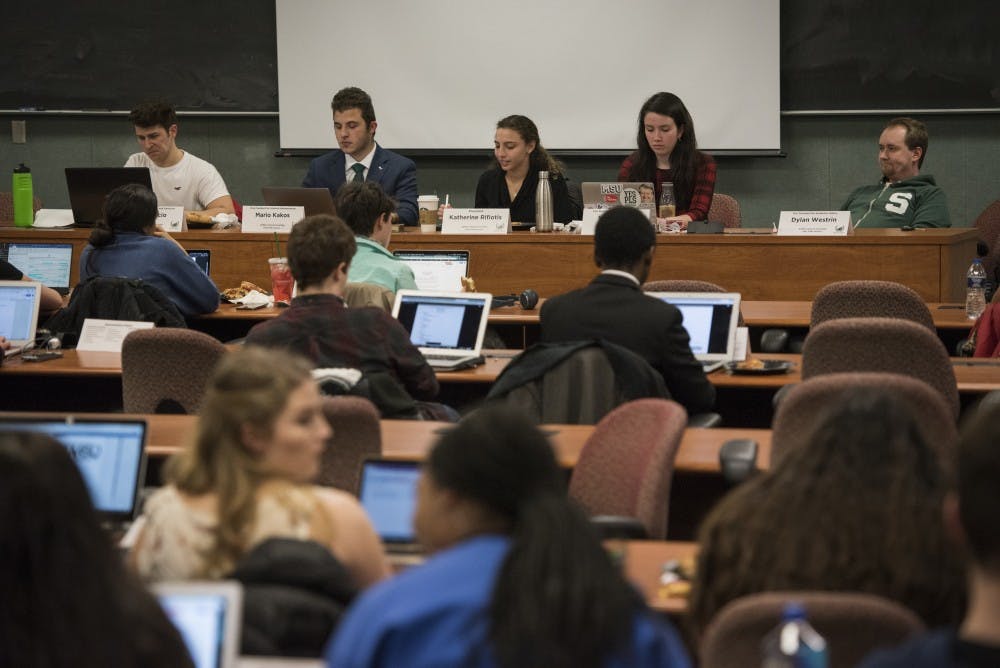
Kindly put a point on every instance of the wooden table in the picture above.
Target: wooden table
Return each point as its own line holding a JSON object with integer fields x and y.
{"x": 760, "y": 266}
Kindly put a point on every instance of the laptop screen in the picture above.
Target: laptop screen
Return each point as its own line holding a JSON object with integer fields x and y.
{"x": 389, "y": 497}
{"x": 88, "y": 186}
{"x": 19, "y": 302}
{"x": 109, "y": 453}
{"x": 49, "y": 264}
{"x": 606, "y": 195}
{"x": 710, "y": 318}
{"x": 447, "y": 322}
{"x": 202, "y": 258}
{"x": 312, "y": 200}
{"x": 208, "y": 616}
{"x": 437, "y": 271}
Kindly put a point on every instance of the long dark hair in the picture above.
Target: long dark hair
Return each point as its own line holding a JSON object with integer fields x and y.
{"x": 540, "y": 159}
{"x": 128, "y": 208}
{"x": 557, "y": 600}
{"x": 685, "y": 158}
{"x": 67, "y": 598}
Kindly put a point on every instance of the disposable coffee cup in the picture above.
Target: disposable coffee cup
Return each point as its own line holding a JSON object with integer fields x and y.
{"x": 428, "y": 207}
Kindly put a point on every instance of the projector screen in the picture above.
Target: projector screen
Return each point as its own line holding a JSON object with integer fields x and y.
{"x": 441, "y": 73}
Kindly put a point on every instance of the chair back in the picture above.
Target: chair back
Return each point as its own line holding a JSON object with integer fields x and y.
{"x": 358, "y": 295}
{"x": 869, "y": 299}
{"x": 357, "y": 435}
{"x": 7, "y": 206}
{"x": 626, "y": 466}
{"x": 796, "y": 415}
{"x": 881, "y": 344}
{"x": 853, "y": 624}
{"x": 681, "y": 285}
{"x": 988, "y": 226}
{"x": 165, "y": 370}
{"x": 726, "y": 210}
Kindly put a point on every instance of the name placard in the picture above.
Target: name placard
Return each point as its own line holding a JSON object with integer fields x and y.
{"x": 476, "y": 221}
{"x": 815, "y": 223}
{"x": 591, "y": 214}
{"x": 170, "y": 218}
{"x": 106, "y": 336}
{"x": 271, "y": 218}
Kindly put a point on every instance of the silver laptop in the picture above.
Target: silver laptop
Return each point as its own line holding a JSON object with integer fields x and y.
{"x": 604, "y": 195}
{"x": 209, "y": 616}
{"x": 437, "y": 270}
{"x": 711, "y": 319}
{"x": 88, "y": 186}
{"x": 313, "y": 200}
{"x": 388, "y": 494}
{"x": 447, "y": 327}
{"x": 19, "y": 302}
{"x": 48, "y": 263}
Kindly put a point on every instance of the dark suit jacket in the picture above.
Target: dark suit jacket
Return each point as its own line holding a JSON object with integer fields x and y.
{"x": 614, "y": 308}
{"x": 397, "y": 176}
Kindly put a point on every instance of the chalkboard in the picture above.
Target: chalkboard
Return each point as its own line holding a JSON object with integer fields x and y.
{"x": 111, "y": 54}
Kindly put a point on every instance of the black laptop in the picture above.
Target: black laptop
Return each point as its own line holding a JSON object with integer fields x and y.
{"x": 88, "y": 186}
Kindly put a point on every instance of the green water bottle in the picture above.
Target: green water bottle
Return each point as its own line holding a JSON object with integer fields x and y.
{"x": 24, "y": 214}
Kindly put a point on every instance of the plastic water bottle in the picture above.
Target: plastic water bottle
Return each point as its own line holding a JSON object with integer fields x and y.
{"x": 793, "y": 643}
{"x": 24, "y": 212}
{"x": 668, "y": 203}
{"x": 543, "y": 204}
{"x": 975, "y": 290}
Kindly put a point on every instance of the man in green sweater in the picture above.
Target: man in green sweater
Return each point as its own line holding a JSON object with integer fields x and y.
{"x": 904, "y": 197}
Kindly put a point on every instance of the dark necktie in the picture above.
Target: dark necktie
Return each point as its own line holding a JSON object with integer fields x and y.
{"x": 359, "y": 172}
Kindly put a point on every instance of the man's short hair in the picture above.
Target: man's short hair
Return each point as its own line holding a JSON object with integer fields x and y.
{"x": 316, "y": 246}
{"x": 622, "y": 236}
{"x": 354, "y": 98}
{"x": 152, "y": 113}
{"x": 360, "y": 204}
{"x": 978, "y": 491}
{"x": 916, "y": 134}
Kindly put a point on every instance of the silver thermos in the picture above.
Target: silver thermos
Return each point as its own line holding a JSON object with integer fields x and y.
{"x": 543, "y": 204}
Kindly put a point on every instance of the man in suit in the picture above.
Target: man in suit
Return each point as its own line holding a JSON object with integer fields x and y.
{"x": 360, "y": 158}
{"x": 613, "y": 307}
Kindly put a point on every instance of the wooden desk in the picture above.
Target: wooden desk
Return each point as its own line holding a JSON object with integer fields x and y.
{"x": 644, "y": 560}
{"x": 760, "y": 266}
{"x": 796, "y": 314}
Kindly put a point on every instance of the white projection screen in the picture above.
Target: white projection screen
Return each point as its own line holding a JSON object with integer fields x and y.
{"x": 442, "y": 72}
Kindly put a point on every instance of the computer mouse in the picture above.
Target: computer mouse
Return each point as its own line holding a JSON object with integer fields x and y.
{"x": 907, "y": 228}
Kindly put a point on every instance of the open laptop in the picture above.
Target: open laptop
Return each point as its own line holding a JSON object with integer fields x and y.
{"x": 314, "y": 200}
{"x": 88, "y": 186}
{"x": 111, "y": 455}
{"x": 711, "y": 319}
{"x": 19, "y": 302}
{"x": 437, "y": 270}
{"x": 604, "y": 195}
{"x": 447, "y": 327}
{"x": 388, "y": 494}
{"x": 202, "y": 258}
{"x": 49, "y": 264}
{"x": 209, "y": 615}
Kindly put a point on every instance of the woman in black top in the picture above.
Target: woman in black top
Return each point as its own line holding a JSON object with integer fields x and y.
{"x": 513, "y": 180}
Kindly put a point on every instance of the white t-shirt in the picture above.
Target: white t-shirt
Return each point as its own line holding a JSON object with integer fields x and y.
{"x": 192, "y": 183}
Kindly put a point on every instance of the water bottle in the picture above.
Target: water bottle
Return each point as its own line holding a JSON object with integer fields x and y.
{"x": 543, "y": 204}
{"x": 975, "y": 290}
{"x": 668, "y": 203}
{"x": 793, "y": 643}
{"x": 24, "y": 212}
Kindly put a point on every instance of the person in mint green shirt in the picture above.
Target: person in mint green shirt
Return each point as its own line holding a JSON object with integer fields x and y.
{"x": 904, "y": 197}
{"x": 367, "y": 210}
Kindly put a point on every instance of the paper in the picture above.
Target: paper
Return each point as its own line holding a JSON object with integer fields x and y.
{"x": 54, "y": 218}
{"x": 106, "y": 336}
{"x": 741, "y": 344}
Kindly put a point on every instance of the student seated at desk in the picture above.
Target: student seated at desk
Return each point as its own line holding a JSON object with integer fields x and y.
{"x": 67, "y": 598}
{"x": 127, "y": 243}
{"x": 367, "y": 210}
{"x": 518, "y": 577}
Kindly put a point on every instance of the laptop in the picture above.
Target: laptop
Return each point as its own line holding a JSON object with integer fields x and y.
{"x": 88, "y": 186}
{"x": 711, "y": 319}
{"x": 202, "y": 258}
{"x": 437, "y": 270}
{"x": 447, "y": 327}
{"x": 209, "y": 615}
{"x": 110, "y": 453}
{"x": 388, "y": 494}
{"x": 19, "y": 301}
{"x": 314, "y": 200}
{"x": 604, "y": 195}
{"x": 49, "y": 264}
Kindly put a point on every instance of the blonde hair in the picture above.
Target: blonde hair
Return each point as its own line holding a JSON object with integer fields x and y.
{"x": 249, "y": 388}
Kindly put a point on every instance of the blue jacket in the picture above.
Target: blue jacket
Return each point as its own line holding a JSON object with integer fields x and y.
{"x": 397, "y": 176}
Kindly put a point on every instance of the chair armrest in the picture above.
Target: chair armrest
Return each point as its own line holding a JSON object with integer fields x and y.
{"x": 618, "y": 526}
{"x": 738, "y": 459}
{"x": 774, "y": 340}
{"x": 705, "y": 420}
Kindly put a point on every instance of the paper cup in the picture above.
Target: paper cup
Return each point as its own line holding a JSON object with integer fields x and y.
{"x": 428, "y": 207}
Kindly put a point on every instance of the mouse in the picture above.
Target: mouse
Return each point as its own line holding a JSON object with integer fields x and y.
{"x": 907, "y": 228}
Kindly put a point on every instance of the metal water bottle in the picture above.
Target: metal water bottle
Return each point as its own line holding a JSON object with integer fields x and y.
{"x": 24, "y": 213}
{"x": 543, "y": 204}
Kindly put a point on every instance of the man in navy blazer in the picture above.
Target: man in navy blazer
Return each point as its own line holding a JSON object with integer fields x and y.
{"x": 360, "y": 158}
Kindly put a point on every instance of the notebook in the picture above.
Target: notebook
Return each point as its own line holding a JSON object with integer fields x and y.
{"x": 389, "y": 496}
{"x": 49, "y": 264}
{"x": 608, "y": 194}
{"x": 202, "y": 258}
{"x": 437, "y": 270}
{"x": 209, "y": 616}
{"x": 314, "y": 200}
{"x": 19, "y": 301}
{"x": 711, "y": 319}
{"x": 111, "y": 455}
{"x": 447, "y": 327}
{"x": 88, "y": 186}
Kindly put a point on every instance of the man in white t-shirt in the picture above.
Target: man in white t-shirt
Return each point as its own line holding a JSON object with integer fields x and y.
{"x": 179, "y": 178}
